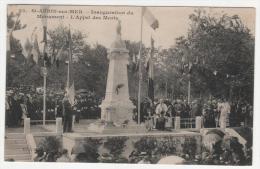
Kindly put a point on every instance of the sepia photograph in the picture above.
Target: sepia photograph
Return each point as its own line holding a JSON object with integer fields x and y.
{"x": 129, "y": 84}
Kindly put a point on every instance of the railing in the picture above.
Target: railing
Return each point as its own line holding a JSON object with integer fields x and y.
{"x": 36, "y": 122}
{"x": 29, "y": 136}
{"x": 182, "y": 123}
{"x": 173, "y": 123}
{"x": 58, "y": 122}
{"x": 187, "y": 123}
{"x": 31, "y": 145}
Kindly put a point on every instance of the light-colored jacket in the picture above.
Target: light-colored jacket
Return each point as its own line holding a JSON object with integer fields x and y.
{"x": 161, "y": 108}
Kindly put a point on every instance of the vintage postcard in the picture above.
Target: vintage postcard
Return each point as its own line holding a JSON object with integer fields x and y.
{"x": 129, "y": 84}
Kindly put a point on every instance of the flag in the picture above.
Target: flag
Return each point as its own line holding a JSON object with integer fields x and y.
{"x": 70, "y": 82}
{"x": 35, "y": 50}
{"x": 190, "y": 68}
{"x": 44, "y": 34}
{"x": 135, "y": 64}
{"x": 46, "y": 58}
{"x": 58, "y": 56}
{"x": 150, "y": 55}
{"x": 134, "y": 58}
{"x": 149, "y": 17}
{"x": 53, "y": 56}
{"x": 8, "y": 40}
{"x": 44, "y": 22}
{"x": 33, "y": 35}
{"x": 27, "y": 48}
{"x": 149, "y": 69}
{"x": 150, "y": 81}
{"x": 10, "y": 34}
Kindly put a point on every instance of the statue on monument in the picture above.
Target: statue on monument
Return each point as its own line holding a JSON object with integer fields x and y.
{"x": 118, "y": 29}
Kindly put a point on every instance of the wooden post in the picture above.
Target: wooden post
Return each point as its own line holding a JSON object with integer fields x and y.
{"x": 73, "y": 122}
{"x": 27, "y": 126}
{"x": 177, "y": 122}
{"x": 59, "y": 125}
{"x": 198, "y": 122}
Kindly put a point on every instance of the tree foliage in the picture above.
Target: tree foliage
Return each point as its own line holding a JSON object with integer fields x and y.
{"x": 217, "y": 54}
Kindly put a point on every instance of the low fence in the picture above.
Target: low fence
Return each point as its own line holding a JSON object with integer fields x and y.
{"x": 187, "y": 123}
{"x": 39, "y": 122}
{"x": 182, "y": 123}
{"x": 57, "y": 122}
{"x": 173, "y": 123}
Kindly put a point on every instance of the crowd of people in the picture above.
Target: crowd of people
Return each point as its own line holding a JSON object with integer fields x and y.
{"x": 160, "y": 114}
{"x": 157, "y": 114}
{"x": 21, "y": 104}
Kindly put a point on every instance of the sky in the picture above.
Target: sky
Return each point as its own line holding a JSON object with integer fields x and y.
{"x": 173, "y": 22}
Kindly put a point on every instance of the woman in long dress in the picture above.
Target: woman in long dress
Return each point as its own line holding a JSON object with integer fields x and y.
{"x": 224, "y": 109}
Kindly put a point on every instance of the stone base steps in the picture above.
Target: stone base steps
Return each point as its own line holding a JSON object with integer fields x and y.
{"x": 15, "y": 136}
{"x": 16, "y": 147}
{"x": 17, "y": 151}
{"x": 15, "y": 141}
{"x": 20, "y": 157}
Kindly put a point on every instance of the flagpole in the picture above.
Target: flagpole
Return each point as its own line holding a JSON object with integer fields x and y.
{"x": 44, "y": 68}
{"x": 189, "y": 89}
{"x": 166, "y": 90}
{"x": 44, "y": 95}
{"x": 140, "y": 69}
{"x": 70, "y": 81}
{"x": 44, "y": 84}
{"x": 68, "y": 70}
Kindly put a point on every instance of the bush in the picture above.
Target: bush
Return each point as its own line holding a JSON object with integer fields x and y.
{"x": 153, "y": 148}
{"x": 167, "y": 146}
{"x": 115, "y": 145}
{"x": 189, "y": 147}
{"x": 51, "y": 146}
{"x": 91, "y": 151}
{"x": 146, "y": 144}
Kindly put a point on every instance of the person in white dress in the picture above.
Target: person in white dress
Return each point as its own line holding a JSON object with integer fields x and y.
{"x": 160, "y": 111}
{"x": 224, "y": 109}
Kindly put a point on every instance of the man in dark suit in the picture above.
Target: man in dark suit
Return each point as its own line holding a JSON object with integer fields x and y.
{"x": 67, "y": 114}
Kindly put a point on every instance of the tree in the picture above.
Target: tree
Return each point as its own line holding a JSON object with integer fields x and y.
{"x": 59, "y": 39}
{"x": 225, "y": 47}
{"x": 90, "y": 64}
{"x": 218, "y": 52}
{"x": 13, "y": 24}
{"x": 16, "y": 62}
{"x": 91, "y": 70}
